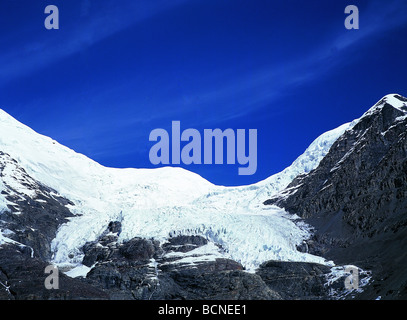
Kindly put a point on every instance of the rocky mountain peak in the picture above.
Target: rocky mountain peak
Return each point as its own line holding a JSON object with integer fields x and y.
{"x": 356, "y": 197}
{"x": 168, "y": 234}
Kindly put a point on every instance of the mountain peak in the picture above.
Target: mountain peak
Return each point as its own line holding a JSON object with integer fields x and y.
{"x": 395, "y": 100}
{"x": 389, "y": 108}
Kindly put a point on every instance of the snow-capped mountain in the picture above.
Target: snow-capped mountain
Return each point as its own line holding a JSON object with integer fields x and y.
{"x": 357, "y": 198}
{"x": 159, "y": 202}
{"x": 63, "y": 208}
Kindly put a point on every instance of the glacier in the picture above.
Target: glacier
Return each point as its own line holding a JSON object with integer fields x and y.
{"x": 163, "y": 202}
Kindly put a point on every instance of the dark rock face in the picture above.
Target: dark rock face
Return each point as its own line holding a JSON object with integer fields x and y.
{"x": 368, "y": 158}
{"x": 115, "y": 227}
{"x": 22, "y": 278}
{"x": 184, "y": 243}
{"x": 32, "y": 220}
{"x": 225, "y": 285}
{"x": 296, "y": 280}
{"x": 357, "y": 198}
{"x": 142, "y": 269}
{"x": 139, "y": 249}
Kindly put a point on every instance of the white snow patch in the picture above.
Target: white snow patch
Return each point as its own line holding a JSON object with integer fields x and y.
{"x": 208, "y": 252}
{"x": 78, "y": 271}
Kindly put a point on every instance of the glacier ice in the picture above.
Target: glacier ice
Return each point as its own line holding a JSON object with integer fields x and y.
{"x": 156, "y": 203}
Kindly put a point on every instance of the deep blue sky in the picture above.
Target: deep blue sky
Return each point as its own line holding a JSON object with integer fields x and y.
{"x": 118, "y": 69}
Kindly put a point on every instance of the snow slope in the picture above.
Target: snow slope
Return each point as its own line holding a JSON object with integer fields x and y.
{"x": 165, "y": 201}
{"x": 251, "y": 197}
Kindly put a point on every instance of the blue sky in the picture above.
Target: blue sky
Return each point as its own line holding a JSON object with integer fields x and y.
{"x": 116, "y": 70}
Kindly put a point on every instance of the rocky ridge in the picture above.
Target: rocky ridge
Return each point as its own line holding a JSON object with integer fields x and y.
{"x": 357, "y": 198}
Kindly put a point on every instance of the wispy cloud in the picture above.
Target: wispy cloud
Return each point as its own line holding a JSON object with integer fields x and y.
{"x": 237, "y": 96}
{"x": 264, "y": 86}
{"x": 100, "y": 23}
{"x": 230, "y": 98}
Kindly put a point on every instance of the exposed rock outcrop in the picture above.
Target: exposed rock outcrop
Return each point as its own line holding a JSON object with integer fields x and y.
{"x": 357, "y": 198}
